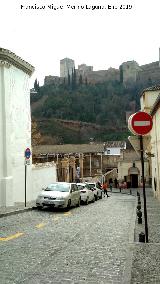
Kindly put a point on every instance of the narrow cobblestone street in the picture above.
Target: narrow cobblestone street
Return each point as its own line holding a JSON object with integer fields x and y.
{"x": 91, "y": 244}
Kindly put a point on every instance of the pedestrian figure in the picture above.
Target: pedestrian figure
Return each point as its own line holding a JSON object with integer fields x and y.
{"x": 110, "y": 184}
{"x": 116, "y": 183}
{"x": 99, "y": 185}
{"x": 104, "y": 186}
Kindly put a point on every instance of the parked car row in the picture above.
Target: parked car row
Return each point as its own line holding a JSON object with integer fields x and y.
{"x": 97, "y": 190}
{"x": 66, "y": 195}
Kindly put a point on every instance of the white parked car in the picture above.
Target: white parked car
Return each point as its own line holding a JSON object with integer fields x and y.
{"x": 59, "y": 194}
{"x": 87, "y": 194}
{"x": 97, "y": 190}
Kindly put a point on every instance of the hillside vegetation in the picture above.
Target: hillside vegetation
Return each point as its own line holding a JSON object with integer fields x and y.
{"x": 102, "y": 104}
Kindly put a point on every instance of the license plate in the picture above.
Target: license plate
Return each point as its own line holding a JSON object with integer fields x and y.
{"x": 48, "y": 202}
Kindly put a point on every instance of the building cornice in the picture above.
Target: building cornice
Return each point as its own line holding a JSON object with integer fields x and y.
{"x": 156, "y": 106}
{"x": 150, "y": 89}
{"x": 11, "y": 58}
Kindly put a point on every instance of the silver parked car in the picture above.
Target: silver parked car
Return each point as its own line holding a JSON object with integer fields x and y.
{"x": 59, "y": 194}
{"x": 97, "y": 189}
{"x": 87, "y": 194}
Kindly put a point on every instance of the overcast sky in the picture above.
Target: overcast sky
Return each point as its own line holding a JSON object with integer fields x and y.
{"x": 102, "y": 38}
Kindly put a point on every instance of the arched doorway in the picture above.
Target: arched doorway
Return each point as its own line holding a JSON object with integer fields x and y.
{"x": 133, "y": 172}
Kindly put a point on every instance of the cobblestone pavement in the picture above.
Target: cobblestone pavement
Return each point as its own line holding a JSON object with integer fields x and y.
{"x": 88, "y": 245}
{"x": 146, "y": 256}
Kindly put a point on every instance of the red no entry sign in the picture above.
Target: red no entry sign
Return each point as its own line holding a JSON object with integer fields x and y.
{"x": 140, "y": 123}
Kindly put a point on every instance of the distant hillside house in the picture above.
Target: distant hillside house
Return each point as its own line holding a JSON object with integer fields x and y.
{"x": 114, "y": 147}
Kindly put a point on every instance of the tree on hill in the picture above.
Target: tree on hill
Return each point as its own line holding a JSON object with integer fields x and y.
{"x": 36, "y": 85}
{"x": 104, "y": 103}
{"x": 80, "y": 79}
{"x": 36, "y": 137}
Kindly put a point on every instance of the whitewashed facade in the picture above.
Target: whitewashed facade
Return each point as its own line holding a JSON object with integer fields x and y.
{"x": 150, "y": 102}
{"x": 114, "y": 148}
{"x": 15, "y": 125}
{"x": 15, "y": 129}
{"x": 42, "y": 175}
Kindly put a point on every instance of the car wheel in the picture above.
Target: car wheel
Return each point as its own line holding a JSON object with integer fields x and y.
{"x": 93, "y": 199}
{"x": 96, "y": 197}
{"x": 87, "y": 201}
{"x": 68, "y": 205}
{"x": 39, "y": 207}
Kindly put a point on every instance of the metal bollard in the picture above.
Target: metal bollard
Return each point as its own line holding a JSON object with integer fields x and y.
{"x": 142, "y": 237}
{"x": 139, "y": 220}
{"x": 138, "y": 206}
{"x": 139, "y": 215}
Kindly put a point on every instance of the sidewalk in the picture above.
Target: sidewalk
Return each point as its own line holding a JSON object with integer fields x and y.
{"x": 18, "y": 208}
{"x": 146, "y": 256}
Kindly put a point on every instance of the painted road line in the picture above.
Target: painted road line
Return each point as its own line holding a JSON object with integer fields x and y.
{"x": 12, "y": 237}
{"x": 67, "y": 213}
{"x": 41, "y": 225}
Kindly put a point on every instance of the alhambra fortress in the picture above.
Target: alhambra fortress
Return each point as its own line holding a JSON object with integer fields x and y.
{"x": 128, "y": 72}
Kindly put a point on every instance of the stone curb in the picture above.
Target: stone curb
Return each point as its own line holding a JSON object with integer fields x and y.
{"x": 5, "y": 214}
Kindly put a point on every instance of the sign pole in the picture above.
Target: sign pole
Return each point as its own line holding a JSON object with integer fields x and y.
{"x": 25, "y": 188}
{"x": 140, "y": 123}
{"x": 27, "y": 155}
{"x": 144, "y": 192}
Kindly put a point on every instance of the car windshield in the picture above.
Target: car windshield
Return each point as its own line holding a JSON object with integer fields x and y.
{"x": 58, "y": 187}
{"x": 80, "y": 186}
{"x": 91, "y": 185}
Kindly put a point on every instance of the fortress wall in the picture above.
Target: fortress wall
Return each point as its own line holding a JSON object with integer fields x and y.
{"x": 150, "y": 66}
{"x": 152, "y": 74}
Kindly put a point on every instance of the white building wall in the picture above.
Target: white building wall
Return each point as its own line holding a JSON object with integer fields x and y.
{"x": 15, "y": 126}
{"x": 155, "y": 149}
{"x": 123, "y": 167}
{"x": 16, "y": 132}
{"x": 15, "y": 129}
{"x": 20, "y": 131}
{"x": 42, "y": 175}
{"x": 6, "y": 179}
{"x": 148, "y": 99}
{"x": 113, "y": 151}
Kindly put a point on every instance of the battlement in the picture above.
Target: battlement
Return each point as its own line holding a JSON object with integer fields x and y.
{"x": 128, "y": 72}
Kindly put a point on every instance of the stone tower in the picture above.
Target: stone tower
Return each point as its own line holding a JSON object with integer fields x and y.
{"x": 129, "y": 71}
{"x": 66, "y": 66}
